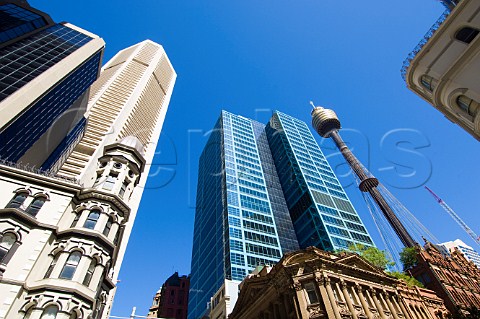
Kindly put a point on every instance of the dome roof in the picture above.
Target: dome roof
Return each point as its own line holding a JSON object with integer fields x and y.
{"x": 133, "y": 142}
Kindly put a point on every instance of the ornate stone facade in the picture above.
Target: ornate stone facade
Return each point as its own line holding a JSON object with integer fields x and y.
{"x": 313, "y": 283}
{"x": 59, "y": 241}
{"x": 455, "y": 279}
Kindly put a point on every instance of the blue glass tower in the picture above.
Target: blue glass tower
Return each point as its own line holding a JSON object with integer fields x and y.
{"x": 46, "y": 70}
{"x": 320, "y": 210}
{"x": 263, "y": 190}
{"x": 241, "y": 219}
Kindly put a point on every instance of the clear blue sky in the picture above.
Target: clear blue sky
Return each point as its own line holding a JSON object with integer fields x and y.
{"x": 249, "y": 57}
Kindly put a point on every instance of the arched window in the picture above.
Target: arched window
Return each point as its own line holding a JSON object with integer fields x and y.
{"x": 35, "y": 206}
{"x": 92, "y": 219}
{"x": 6, "y": 243}
{"x": 90, "y": 271}
{"x": 71, "y": 265}
{"x": 28, "y": 313}
{"x": 50, "y": 312}
{"x": 466, "y": 34}
{"x": 468, "y": 105}
{"x": 108, "y": 226}
{"x": 428, "y": 82}
{"x": 17, "y": 200}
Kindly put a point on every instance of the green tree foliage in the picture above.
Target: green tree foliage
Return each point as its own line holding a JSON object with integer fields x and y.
{"x": 408, "y": 279}
{"x": 373, "y": 255}
{"x": 408, "y": 257}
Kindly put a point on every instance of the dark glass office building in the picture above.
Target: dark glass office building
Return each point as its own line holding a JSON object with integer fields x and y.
{"x": 263, "y": 191}
{"x": 46, "y": 70}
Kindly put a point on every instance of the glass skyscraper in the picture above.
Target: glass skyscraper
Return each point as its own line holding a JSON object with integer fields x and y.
{"x": 46, "y": 70}
{"x": 241, "y": 219}
{"x": 253, "y": 181}
{"x": 320, "y": 210}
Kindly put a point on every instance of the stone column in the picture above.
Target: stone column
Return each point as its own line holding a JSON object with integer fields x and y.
{"x": 377, "y": 304}
{"x": 404, "y": 310}
{"x": 301, "y": 303}
{"x": 348, "y": 300}
{"x": 326, "y": 301}
{"x": 363, "y": 301}
{"x": 331, "y": 296}
{"x": 390, "y": 306}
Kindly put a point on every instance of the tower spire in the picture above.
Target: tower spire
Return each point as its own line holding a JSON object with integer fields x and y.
{"x": 327, "y": 124}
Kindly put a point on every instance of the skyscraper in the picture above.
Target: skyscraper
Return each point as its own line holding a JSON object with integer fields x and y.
{"x": 248, "y": 195}
{"x": 63, "y": 236}
{"x": 321, "y": 211}
{"x": 130, "y": 98}
{"x": 46, "y": 69}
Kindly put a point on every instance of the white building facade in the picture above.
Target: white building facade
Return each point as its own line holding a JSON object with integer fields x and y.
{"x": 443, "y": 68}
{"x": 63, "y": 236}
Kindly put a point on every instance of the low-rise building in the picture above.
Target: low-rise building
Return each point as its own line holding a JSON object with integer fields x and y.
{"x": 313, "y": 283}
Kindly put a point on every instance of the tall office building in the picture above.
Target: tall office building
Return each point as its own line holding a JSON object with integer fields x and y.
{"x": 468, "y": 252}
{"x": 63, "y": 237}
{"x": 130, "y": 98}
{"x": 46, "y": 69}
{"x": 321, "y": 211}
{"x": 254, "y": 180}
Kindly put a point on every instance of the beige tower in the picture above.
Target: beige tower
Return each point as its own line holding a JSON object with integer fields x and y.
{"x": 63, "y": 236}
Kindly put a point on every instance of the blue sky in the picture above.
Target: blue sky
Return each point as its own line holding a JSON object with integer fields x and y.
{"x": 252, "y": 57}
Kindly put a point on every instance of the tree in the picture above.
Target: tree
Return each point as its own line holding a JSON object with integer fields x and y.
{"x": 408, "y": 257}
{"x": 373, "y": 255}
{"x": 410, "y": 281}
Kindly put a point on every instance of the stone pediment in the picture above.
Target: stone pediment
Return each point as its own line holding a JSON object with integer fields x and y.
{"x": 355, "y": 261}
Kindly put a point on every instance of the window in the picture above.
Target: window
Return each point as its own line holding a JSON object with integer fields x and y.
{"x": 110, "y": 182}
{"x": 92, "y": 219}
{"x": 6, "y": 243}
{"x": 123, "y": 188}
{"x": 17, "y": 200}
{"x": 50, "y": 312}
{"x": 51, "y": 267}
{"x": 468, "y": 105}
{"x": 428, "y": 82}
{"x": 90, "y": 271}
{"x": 75, "y": 221}
{"x": 108, "y": 226}
{"x": 466, "y": 34}
{"x": 311, "y": 292}
{"x": 71, "y": 265}
{"x": 35, "y": 206}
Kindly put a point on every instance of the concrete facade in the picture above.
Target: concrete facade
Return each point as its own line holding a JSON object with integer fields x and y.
{"x": 222, "y": 303}
{"x": 443, "y": 69}
{"x": 312, "y": 283}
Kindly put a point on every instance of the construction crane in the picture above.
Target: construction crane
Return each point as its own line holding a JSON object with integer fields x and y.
{"x": 455, "y": 216}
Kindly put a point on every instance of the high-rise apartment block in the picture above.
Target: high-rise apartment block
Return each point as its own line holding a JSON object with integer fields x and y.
{"x": 46, "y": 70}
{"x": 260, "y": 188}
{"x": 63, "y": 232}
{"x": 468, "y": 252}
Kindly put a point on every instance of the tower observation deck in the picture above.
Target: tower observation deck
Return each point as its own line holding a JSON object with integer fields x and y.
{"x": 327, "y": 124}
